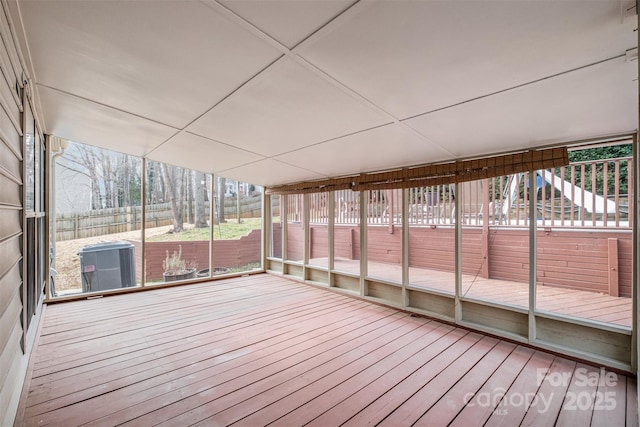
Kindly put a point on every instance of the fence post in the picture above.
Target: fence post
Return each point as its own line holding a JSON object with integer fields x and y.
{"x": 613, "y": 268}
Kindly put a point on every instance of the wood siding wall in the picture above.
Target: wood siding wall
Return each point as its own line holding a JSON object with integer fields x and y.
{"x": 13, "y": 360}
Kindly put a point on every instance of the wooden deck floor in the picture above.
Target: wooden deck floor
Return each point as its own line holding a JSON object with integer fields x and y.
{"x": 264, "y": 350}
{"x": 582, "y": 304}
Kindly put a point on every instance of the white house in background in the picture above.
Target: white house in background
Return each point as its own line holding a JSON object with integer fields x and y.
{"x": 246, "y": 189}
{"x": 72, "y": 189}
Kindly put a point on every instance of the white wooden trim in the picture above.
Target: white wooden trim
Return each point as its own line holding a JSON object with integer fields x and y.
{"x": 143, "y": 225}
{"x": 364, "y": 253}
{"x": 306, "y": 208}
{"x": 283, "y": 222}
{"x": 331, "y": 234}
{"x": 458, "y": 254}
{"x": 533, "y": 240}
{"x": 405, "y": 246}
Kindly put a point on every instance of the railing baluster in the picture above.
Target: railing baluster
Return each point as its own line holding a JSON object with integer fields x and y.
{"x": 517, "y": 201}
{"x": 543, "y": 197}
{"x": 501, "y": 198}
{"x": 552, "y": 197}
{"x": 582, "y": 180}
{"x": 421, "y": 205}
{"x": 617, "y": 191}
{"x": 630, "y": 192}
{"x": 605, "y": 192}
{"x": 562, "y": 204}
{"x": 572, "y": 205}
{"x": 593, "y": 194}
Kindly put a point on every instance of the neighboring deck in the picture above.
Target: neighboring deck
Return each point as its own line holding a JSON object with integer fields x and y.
{"x": 263, "y": 349}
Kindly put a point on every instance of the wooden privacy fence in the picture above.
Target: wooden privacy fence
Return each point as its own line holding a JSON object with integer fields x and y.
{"x": 101, "y": 222}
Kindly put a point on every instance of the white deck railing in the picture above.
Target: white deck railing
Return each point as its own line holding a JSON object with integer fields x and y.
{"x": 583, "y": 194}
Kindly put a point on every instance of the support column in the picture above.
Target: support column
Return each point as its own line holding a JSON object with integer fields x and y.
{"x": 143, "y": 223}
{"x": 306, "y": 233}
{"x": 533, "y": 245}
{"x": 267, "y": 229}
{"x": 331, "y": 220}
{"x": 284, "y": 222}
{"x": 363, "y": 243}
{"x": 405, "y": 246}
{"x": 635, "y": 351}
{"x": 457, "y": 206}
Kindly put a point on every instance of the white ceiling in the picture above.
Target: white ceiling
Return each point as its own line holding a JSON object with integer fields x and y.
{"x": 278, "y": 91}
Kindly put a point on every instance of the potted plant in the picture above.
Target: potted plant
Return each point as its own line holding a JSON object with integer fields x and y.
{"x": 175, "y": 268}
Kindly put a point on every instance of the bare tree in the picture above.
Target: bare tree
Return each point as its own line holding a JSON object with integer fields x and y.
{"x": 199, "y": 195}
{"x": 222, "y": 188}
{"x": 155, "y": 183}
{"x": 174, "y": 179}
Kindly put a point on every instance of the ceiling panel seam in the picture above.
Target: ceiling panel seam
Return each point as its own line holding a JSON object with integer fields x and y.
{"x": 244, "y": 84}
{"x": 275, "y": 160}
{"x": 111, "y": 107}
{"x": 224, "y": 143}
{"x": 329, "y": 140}
{"x": 331, "y": 25}
{"x": 533, "y": 82}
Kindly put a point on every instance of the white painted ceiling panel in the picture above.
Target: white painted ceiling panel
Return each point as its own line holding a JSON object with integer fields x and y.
{"x": 270, "y": 172}
{"x": 335, "y": 92}
{"x": 286, "y": 108}
{"x": 288, "y": 21}
{"x": 411, "y": 57}
{"x": 168, "y": 61}
{"x": 381, "y": 148}
{"x": 591, "y": 102}
{"x": 212, "y": 156}
{"x": 79, "y": 120}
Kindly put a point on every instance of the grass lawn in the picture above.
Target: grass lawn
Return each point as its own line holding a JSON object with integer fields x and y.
{"x": 226, "y": 231}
